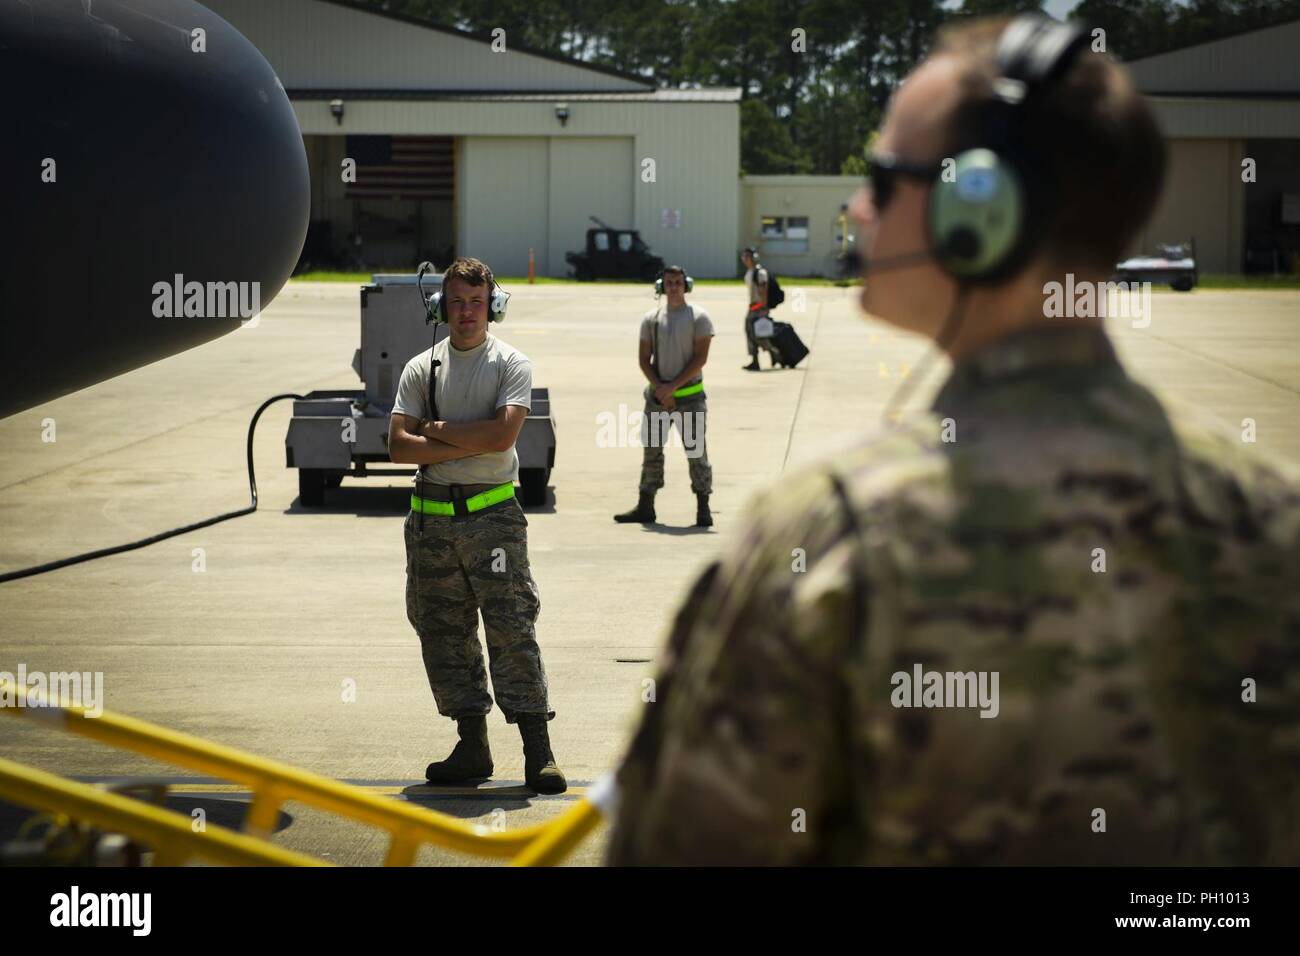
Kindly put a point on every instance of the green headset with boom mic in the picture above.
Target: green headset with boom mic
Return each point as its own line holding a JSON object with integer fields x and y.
{"x": 497, "y": 301}
{"x": 989, "y": 206}
{"x": 983, "y": 221}
{"x": 436, "y": 312}
{"x": 659, "y": 282}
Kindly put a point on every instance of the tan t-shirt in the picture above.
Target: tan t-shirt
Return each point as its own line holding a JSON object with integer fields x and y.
{"x": 752, "y": 281}
{"x": 672, "y": 334}
{"x": 472, "y": 385}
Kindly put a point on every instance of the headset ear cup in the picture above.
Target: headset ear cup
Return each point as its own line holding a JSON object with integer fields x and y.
{"x": 962, "y": 244}
{"x": 659, "y": 283}
{"x": 977, "y": 219}
{"x": 435, "y": 308}
{"x": 497, "y": 304}
{"x": 984, "y": 223}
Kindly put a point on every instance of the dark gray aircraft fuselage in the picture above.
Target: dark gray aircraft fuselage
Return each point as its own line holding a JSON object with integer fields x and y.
{"x": 154, "y": 182}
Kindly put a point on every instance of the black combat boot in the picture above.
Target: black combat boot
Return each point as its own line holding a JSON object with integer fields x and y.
{"x": 644, "y": 512}
{"x": 702, "y": 517}
{"x": 752, "y": 366}
{"x": 470, "y": 759}
{"x": 540, "y": 771}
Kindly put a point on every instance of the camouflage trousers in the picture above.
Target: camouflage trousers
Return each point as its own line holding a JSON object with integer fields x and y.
{"x": 456, "y": 568}
{"x": 751, "y": 340}
{"x": 690, "y": 417}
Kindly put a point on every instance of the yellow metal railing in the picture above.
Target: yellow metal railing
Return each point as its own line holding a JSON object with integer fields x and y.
{"x": 168, "y": 831}
{"x": 559, "y": 837}
{"x": 271, "y": 784}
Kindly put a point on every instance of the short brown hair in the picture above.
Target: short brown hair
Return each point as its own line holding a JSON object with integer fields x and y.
{"x": 471, "y": 270}
{"x": 1092, "y": 133}
{"x": 677, "y": 269}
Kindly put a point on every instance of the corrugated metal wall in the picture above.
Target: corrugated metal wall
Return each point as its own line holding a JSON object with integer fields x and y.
{"x": 523, "y": 178}
{"x": 1262, "y": 61}
{"x": 312, "y": 44}
{"x": 1253, "y": 86}
{"x": 518, "y": 193}
{"x": 1202, "y": 199}
{"x": 1203, "y": 188}
{"x": 503, "y": 190}
{"x": 695, "y": 149}
{"x": 591, "y": 176}
{"x": 1218, "y": 118}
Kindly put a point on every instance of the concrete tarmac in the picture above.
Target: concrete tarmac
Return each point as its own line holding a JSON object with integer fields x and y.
{"x": 255, "y": 650}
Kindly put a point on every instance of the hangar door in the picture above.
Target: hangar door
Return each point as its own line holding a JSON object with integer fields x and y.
{"x": 502, "y": 201}
{"x": 590, "y": 176}
{"x": 1202, "y": 201}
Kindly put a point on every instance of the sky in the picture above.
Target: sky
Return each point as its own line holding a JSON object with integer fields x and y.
{"x": 1056, "y": 8}
{"x": 1059, "y": 8}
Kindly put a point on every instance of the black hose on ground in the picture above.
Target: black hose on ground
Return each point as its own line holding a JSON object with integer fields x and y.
{"x": 118, "y": 549}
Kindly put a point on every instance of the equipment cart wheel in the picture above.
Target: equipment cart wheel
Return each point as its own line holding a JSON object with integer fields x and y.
{"x": 532, "y": 485}
{"x": 311, "y": 487}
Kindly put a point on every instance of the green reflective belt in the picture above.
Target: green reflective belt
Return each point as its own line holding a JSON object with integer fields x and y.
{"x": 480, "y": 501}
{"x": 689, "y": 390}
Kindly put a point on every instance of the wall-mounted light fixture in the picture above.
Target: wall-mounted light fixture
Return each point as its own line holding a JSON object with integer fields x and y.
{"x": 562, "y": 112}
{"x": 336, "y": 108}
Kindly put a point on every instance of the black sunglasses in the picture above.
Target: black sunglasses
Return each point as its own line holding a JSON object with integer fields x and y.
{"x": 884, "y": 169}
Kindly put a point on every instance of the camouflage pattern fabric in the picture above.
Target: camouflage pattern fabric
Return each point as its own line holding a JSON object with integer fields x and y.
{"x": 455, "y": 568}
{"x": 1125, "y": 731}
{"x": 751, "y": 341}
{"x": 656, "y": 423}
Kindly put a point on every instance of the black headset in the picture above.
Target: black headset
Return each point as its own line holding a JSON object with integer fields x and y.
{"x": 983, "y": 222}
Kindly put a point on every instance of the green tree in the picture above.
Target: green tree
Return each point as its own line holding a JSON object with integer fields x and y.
{"x": 765, "y": 143}
{"x": 807, "y": 107}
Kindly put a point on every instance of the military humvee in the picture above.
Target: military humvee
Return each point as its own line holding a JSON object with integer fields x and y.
{"x": 614, "y": 254}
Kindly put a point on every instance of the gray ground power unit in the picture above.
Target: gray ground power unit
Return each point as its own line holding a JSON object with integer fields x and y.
{"x": 335, "y": 434}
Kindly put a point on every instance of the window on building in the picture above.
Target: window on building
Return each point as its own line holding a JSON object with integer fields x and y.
{"x": 785, "y": 235}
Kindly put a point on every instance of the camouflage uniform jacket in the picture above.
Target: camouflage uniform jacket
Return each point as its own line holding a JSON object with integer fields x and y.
{"x": 1129, "y": 581}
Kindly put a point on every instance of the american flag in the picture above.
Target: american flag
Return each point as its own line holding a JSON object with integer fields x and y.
{"x": 401, "y": 167}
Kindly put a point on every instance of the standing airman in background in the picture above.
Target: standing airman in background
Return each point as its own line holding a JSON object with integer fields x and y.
{"x": 756, "y": 284}
{"x": 673, "y": 349}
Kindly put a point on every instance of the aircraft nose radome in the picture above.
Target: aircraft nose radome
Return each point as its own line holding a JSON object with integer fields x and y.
{"x": 139, "y": 155}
